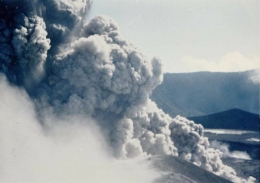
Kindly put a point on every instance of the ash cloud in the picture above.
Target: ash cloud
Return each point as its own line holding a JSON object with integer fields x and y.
{"x": 30, "y": 29}
{"x": 71, "y": 67}
{"x": 71, "y": 150}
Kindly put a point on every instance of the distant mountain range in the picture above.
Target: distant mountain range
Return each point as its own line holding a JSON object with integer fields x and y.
{"x": 203, "y": 93}
{"x": 234, "y": 119}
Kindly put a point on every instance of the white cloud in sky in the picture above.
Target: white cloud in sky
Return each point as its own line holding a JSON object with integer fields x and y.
{"x": 231, "y": 62}
{"x": 204, "y": 30}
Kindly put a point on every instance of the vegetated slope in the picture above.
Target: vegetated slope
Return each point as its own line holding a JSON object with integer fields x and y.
{"x": 231, "y": 119}
{"x": 182, "y": 171}
{"x": 202, "y": 93}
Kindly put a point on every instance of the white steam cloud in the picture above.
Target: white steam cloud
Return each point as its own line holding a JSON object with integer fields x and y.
{"x": 255, "y": 77}
{"x": 70, "y": 67}
{"x": 69, "y": 152}
{"x": 224, "y": 148}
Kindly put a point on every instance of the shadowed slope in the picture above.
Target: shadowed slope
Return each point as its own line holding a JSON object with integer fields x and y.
{"x": 231, "y": 119}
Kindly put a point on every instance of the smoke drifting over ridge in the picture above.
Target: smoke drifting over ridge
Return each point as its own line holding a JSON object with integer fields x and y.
{"x": 74, "y": 68}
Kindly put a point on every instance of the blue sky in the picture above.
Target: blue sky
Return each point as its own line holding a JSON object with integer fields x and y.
{"x": 203, "y": 35}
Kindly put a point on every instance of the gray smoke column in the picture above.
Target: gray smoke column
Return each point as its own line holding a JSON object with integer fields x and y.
{"x": 73, "y": 67}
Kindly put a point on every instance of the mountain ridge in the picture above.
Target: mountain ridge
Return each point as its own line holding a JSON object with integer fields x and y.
{"x": 230, "y": 119}
{"x": 203, "y": 93}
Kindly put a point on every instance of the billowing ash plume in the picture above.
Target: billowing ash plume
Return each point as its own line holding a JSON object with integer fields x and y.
{"x": 26, "y": 30}
{"x": 73, "y": 67}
